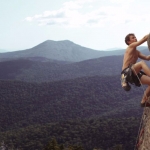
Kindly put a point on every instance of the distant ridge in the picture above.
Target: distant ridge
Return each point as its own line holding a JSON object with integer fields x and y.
{"x": 38, "y": 69}
{"x": 62, "y": 51}
{"x": 56, "y": 50}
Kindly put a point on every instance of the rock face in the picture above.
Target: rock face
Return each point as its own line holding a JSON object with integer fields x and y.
{"x": 144, "y": 135}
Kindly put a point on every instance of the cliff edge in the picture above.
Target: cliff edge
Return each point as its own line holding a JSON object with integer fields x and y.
{"x": 144, "y": 134}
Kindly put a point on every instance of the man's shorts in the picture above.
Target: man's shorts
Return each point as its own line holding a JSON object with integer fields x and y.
{"x": 131, "y": 77}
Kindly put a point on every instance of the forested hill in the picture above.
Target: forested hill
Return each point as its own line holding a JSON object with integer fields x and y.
{"x": 25, "y": 104}
{"x": 76, "y": 102}
{"x": 37, "y": 71}
{"x": 90, "y": 134}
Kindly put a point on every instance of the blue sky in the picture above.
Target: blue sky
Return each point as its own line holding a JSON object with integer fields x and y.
{"x": 96, "y": 24}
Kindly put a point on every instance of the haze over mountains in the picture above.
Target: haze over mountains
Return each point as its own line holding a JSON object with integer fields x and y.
{"x": 3, "y": 51}
{"x": 61, "y": 50}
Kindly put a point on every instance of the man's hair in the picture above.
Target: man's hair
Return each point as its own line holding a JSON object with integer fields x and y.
{"x": 127, "y": 38}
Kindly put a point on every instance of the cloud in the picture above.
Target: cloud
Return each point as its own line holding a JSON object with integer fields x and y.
{"x": 68, "y": 15}
{"x": 28, "y": 18}
{"x": 92, "y": 21}
{"x": 122, "y": 1}
{"x": 76, "y": 13}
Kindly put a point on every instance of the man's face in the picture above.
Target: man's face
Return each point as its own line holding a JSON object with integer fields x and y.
{"x": 132, "y": 39}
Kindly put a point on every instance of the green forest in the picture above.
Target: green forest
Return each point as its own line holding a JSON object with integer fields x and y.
{"x": 89, "y": 113}
{"x": 64, "y": 106}
{"x": 24, "y": 104}
{"x": 90, "y": 134}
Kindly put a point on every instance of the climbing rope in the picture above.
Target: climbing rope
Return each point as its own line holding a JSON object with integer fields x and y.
{"x": 135, "y": 148}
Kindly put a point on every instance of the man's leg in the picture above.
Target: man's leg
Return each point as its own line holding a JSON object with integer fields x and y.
{"x": 139, "y": 66}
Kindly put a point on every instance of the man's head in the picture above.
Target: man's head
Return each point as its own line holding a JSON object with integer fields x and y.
{"x": 130, "y": 38}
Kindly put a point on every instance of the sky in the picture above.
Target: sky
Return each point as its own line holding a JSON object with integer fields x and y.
{"x": 96, "y": 24}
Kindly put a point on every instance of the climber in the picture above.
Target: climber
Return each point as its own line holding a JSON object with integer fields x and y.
{"x": 132, "y": 70}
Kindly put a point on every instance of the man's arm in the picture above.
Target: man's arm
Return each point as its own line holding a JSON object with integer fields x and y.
{"x": 144, "y": 39}
{"x": 144, "y": 57}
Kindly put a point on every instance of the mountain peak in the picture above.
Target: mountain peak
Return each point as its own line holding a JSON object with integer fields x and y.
{"x": 52, "y": 41}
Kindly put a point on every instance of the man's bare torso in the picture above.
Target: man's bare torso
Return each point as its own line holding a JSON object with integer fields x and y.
{"x": 130, "y": 57}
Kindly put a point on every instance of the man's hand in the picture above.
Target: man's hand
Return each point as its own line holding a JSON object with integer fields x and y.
{"x": 148, "y": 57}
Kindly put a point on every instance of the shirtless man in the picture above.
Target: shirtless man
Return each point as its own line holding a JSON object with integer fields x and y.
{"x": 130, "y": 63}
